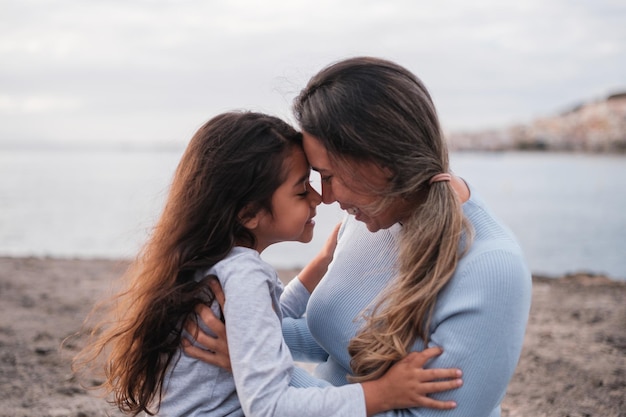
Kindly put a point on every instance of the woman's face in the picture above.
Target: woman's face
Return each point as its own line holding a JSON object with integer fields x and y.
{"x": 350, "y": 195}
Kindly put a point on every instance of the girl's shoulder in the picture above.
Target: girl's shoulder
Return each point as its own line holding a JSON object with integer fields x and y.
{"x": 243, "y": 264}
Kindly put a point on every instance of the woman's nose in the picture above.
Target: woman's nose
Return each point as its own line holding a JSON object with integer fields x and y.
{"x": 327, "y": 194}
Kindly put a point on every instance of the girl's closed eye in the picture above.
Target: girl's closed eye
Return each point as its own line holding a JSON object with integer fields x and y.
{"x": 306, "y": 190}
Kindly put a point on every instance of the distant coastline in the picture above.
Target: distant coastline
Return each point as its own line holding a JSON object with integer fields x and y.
{"x": 595, "y": 126}
{"x": 592, "y": 127}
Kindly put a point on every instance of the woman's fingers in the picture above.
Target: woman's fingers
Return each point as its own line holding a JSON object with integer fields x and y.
{"x": 205, "y": 347}
{"x": 216, "y": 288}
{"x": 207, "y": 342}
{"x": 209, "y": 318}
{"x": 210, "y": 348}
{"x": 206, "y": 355}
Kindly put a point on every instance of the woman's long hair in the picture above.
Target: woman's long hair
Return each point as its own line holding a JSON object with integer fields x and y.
{"x": 375, "y": 111}
{"x": 229, "y": 171}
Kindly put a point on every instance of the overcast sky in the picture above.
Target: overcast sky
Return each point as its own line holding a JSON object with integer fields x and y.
{"x": 92, "y": 71}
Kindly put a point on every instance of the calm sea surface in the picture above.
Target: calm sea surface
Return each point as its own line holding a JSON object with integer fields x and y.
{"x": 568, "y": 211}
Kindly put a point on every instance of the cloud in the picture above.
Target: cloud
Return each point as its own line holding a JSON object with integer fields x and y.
{"x": 37, "y": 104}
{"x": 140, "y": 70}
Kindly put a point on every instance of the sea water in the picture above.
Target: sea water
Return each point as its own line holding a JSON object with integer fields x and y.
{"x": 567, "y": 210}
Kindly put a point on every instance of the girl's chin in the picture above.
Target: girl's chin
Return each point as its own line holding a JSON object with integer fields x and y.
{"x": 307, "y": 235}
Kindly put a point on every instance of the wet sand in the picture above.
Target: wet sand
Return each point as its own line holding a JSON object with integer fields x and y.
{"x": 573, "y": 362}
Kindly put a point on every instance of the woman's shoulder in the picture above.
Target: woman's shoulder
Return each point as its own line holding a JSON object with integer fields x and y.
{"x": 490, "y": 277}
{"x": 488, "y": 228}
{"x": 494, "y": 266}
{"x": 494, "y": 252}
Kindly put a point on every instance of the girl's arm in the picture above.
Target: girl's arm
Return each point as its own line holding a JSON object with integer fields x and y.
{"x": 406, "y": 384}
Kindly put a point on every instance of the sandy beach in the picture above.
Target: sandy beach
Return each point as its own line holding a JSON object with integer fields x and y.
{"x": 573, "y": 362}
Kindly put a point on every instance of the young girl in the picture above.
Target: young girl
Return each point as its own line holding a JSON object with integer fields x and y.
{"x": 241, "y": 186}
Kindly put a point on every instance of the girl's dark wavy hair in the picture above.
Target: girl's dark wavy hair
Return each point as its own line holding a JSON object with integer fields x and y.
{"x": 229, "y": 172}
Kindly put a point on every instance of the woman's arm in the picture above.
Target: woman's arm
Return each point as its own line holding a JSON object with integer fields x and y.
{"x": 302, "y": 344}
{"x": 215, "y": 351}
{"x": 311, "y": 274}
{"x": 296, "y": 295}
{"x": 480, "y": 319}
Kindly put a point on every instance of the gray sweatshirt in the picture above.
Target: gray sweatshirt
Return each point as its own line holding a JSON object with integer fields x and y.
{"x": 262, "y": 366}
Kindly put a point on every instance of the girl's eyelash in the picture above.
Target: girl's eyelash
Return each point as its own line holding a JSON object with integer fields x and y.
{"x": 304, "y": 194}
{"x": 306, "y": 189}
{"x": 326, "y": 179}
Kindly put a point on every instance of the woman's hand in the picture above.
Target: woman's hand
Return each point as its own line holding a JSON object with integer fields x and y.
{"x": 214, "y": 350}
{"x": 313, "y": 272}
{"x": 407, "y": 384}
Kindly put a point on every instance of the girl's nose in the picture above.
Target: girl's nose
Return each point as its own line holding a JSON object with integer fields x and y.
{"x": 314, "y": 196}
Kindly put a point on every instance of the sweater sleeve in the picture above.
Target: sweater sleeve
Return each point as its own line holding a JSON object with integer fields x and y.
{"x": 294, "y": 299}
{"x": 296, "y": 332}
{"x": 261, "y": 362}
{"x": 480, "y": 322}
{"x": 302, "y": 345}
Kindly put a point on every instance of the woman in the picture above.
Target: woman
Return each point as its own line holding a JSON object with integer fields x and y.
{"x": 436, "y": 268}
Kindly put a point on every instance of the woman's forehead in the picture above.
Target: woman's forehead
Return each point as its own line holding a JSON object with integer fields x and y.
{"x": 316, "y": 153}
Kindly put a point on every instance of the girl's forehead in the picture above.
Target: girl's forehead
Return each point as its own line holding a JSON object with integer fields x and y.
{"x": 295, "y": 160}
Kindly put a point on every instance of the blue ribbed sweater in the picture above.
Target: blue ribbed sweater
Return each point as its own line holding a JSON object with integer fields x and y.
{"x": 479, "y": 318}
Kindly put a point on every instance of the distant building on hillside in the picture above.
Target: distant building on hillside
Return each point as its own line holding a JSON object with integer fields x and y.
{"x": 598, "y": 126}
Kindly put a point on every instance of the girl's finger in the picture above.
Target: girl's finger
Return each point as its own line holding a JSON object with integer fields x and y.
{"x": 440, "y": 386}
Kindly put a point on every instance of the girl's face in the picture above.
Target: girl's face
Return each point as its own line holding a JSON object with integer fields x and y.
{"x": 293, "y": 206}
{"x": 349, "y": 194}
